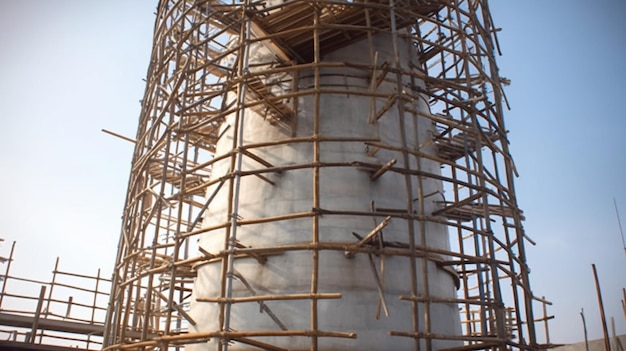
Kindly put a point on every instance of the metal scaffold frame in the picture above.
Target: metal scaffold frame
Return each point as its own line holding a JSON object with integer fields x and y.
{"x": 200, "y": 73}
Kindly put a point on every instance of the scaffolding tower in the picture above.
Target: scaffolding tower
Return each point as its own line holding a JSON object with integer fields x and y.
{"x": 200, "y": 73}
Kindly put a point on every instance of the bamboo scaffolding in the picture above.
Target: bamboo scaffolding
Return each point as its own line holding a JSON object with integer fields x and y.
{"x": 201, "y": 83}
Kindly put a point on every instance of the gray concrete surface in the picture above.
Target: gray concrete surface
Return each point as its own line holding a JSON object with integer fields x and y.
{"x": 341, "y": 189}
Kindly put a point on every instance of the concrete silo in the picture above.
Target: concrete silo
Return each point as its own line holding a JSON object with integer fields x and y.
{"x": 341, "y": 170}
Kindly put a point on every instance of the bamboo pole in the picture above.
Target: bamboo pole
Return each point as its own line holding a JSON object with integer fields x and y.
{"x": 35, "y": 327}
{"x": 272, "y": 297}
{"x": 607, "y": 344}
{"x": 624, "y": 302}
{"x": 619, "y": 222}
{"x": 316, "y": 177}
{"x": 7, "y": 270}
{"x": 582, "y": 315}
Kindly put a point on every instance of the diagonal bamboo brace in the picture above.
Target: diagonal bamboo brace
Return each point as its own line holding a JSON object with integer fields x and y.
{"x": 384, "y": 168}
{"x": 368, "y": 237}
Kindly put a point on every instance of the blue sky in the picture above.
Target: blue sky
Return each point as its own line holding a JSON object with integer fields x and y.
{"x": 70, "y": 68}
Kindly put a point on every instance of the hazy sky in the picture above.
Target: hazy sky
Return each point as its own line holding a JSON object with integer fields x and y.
{"x": 70, "y": 68}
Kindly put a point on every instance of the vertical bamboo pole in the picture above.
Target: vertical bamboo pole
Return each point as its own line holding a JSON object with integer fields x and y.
{"x": 93, "y": 306}
{"x": 495, "y": 77}
{"x": 33, "y": 331}
{"x": 624, "y": 302}
{"x": 95, "y": 297}
{"x": 607, "y": 345}
{"x": 545, "y": 319}
{"x": 232, "y": 240}
{"x": 619, "y": 222}
{"x": 54, "y": 277}
{"x": 613, "y": 334}
{"x": 7, "y": 270}
{"x": 409, "y": 200}
{"x": 582, "y": 315}
{"x": 316, "y": 177}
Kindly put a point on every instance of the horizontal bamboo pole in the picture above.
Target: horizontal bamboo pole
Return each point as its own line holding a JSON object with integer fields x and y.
{"x": 256, "y": 298}
{"x": 197, "y": 337}
{"x": 488, "y": 302}
{"x": 421, "y": 335}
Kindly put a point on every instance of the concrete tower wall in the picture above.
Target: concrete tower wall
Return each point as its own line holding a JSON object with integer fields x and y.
{"x": 341, "y": 188}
